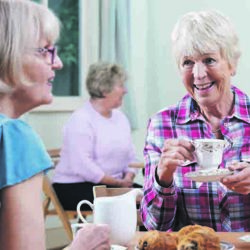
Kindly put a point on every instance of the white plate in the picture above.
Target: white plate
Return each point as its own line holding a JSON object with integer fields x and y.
{"x": 206, "y": 176}
{"x": 223, "y": 246}
{"x": 118, "y": 247}
{"x": 226, "y": 246}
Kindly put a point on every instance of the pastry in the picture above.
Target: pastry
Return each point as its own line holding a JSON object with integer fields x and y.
{"x": 199, "y": 240}
{"x": 190, "y": 228}
{"x": 192, "y": 237}
{"x": 155, "y": 240}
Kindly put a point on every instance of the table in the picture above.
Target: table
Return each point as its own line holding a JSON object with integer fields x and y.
{"x": 54, "y": 154}
{"x": 228, "y": 237}
{"x": 136, "y": 165}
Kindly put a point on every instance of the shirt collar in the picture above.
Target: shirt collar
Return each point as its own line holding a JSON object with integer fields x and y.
{"x": 188, "y": 109}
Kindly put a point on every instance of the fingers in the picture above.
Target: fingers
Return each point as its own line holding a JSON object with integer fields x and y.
{"x": 240, "y": 180}
{"x": 178, "y": 150}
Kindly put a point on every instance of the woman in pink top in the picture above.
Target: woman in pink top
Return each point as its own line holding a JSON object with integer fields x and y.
{"x": 97, "y": 146}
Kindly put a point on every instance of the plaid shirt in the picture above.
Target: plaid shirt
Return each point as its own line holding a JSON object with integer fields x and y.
{"x": 188, "y": 202}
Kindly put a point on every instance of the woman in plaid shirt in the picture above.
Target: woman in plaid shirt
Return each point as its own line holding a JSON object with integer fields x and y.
{"x": 206, "y": 49}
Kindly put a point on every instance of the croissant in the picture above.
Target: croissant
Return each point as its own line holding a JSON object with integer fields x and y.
{"x": 192, "y": 237}
{"x": 155, "y": 240}
{"x": 199, "y": 240}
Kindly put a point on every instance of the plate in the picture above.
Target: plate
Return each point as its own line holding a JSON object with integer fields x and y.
{"x": 117, "y": 247}
{"x": 208, "y": 175}
{"x": 226, "y": 246}
{"x": 223, "y": 246}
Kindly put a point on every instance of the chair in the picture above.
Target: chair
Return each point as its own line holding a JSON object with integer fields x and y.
{"x": 103, "y": 191}
{"x": 54, "y": 154}
{"x": 57, "y": 209}
{"x": 51, "y": 199}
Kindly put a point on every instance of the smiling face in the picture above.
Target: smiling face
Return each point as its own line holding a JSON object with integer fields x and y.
{"x": 39, "y": 74}
{"x": 207, "y": 77}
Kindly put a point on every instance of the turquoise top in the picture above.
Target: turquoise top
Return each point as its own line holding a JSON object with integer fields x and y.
{"x": 22, "y": 153}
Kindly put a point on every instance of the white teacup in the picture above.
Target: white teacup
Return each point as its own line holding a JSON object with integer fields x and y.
{"x": 119, "y": 212}
{"x": 209, "y": 152}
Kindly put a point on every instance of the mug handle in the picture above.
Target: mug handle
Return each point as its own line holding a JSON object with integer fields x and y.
{"x": 78, "y": 209}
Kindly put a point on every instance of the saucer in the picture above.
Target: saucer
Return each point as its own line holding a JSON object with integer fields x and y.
{"x": 208, "y": 175}
{"x": 226, "y": 246}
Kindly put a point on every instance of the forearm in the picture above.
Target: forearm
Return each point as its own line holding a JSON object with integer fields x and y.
{"x": 111, "y": 181}
{"x": 158, "y": 208}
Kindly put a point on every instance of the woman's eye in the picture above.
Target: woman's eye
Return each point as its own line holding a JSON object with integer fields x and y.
{"x": 209, "y": 60}
{"x": 187, "y": 63}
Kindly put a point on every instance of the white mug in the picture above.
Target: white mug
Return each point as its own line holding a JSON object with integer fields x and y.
{"x": 119, "y": 212}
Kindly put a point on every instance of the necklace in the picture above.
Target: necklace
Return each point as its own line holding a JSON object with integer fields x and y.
{"x": 215, "y": 131}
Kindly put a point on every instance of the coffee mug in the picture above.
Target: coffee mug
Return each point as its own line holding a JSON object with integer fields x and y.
{"x": 209, "y": 152}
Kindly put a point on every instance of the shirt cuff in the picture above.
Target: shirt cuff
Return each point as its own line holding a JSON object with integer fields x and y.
{"x": 166, "y": 191}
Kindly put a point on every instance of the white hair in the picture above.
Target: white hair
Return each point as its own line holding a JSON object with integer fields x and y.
{"x": 202, "y": 32}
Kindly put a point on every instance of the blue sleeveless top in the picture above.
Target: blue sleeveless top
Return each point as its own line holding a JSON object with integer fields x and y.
{"x": 22, "y": 153}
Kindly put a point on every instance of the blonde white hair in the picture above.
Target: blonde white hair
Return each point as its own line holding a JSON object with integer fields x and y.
{"x": 203, "y": 32}
{"x": 22, "y": 25}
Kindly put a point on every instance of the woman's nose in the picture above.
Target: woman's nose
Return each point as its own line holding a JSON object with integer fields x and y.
{"x": 199, "y": 71}
{"x": 58, "y": 64}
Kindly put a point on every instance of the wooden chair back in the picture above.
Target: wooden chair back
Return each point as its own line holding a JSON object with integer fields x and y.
{"x": 51, "y": 203}
{"x": 104, "y": 191}
{"x": 52, "y": 206}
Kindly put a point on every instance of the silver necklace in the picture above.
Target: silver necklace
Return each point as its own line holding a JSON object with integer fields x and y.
{"x": 215, "y": 131}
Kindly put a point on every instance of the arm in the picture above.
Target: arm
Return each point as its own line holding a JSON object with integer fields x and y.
{"x": 159, "y": 204}
{"x": 21, "y": 216}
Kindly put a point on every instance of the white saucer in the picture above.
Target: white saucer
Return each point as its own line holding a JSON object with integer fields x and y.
{"x": 118, "y": 247}
{"x": 226, "y": 246}
{"x": 207, "y": 176}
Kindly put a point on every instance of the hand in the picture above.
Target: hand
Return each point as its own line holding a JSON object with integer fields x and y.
{"x": 125, "y": 182}
{"x": 240, "y": 181}
{"x": 174, "y": 153}
{"x": 92, "y": 236}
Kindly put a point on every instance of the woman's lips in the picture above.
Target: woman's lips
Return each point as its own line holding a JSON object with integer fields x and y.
{"x": 204, "y": 86}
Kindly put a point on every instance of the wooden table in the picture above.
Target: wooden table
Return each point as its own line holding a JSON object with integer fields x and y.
{"x": 54, "y": 154}
{"x": 136, "y": 165}
{"x": 227, "y": 237}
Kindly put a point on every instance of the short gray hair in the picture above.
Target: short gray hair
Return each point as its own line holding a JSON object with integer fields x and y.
{"x": 22, "y": 25}
{"x": 102, "y": 77}
{"x": 205, "y": 31}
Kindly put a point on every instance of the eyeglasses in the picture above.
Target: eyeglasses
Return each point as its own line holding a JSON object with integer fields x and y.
{"x": 52, "y": 51}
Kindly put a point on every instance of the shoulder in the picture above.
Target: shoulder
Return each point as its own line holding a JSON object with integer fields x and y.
{"x": 80, "y": 118}
{"x": 22, "y": 153}
{"x": 16, "y": 128}
{"x": 173, "y": 114}
{"x": 119, "y": 117}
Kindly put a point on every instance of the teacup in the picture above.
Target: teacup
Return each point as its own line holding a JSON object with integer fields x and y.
{"x": 209, "y": 152}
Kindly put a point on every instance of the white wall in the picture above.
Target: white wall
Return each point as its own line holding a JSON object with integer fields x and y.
{"x": 153, "y": 74}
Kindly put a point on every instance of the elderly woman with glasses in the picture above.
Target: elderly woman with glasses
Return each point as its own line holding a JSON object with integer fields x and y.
{"x": 206, "y": 49}
{"x": 28, "y": 62}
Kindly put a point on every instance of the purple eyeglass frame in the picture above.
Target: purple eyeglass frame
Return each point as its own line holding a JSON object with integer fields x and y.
{"x": 52, "y": 52}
